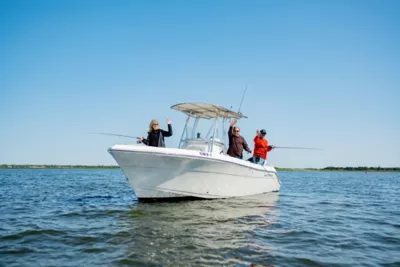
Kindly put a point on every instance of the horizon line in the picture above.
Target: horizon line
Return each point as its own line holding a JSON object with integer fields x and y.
{"x": 13, "y": 166}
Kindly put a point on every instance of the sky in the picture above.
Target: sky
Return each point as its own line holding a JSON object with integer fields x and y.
{"x": 320, "y": 74}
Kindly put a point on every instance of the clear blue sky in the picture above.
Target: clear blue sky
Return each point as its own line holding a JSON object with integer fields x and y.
{"x": 320, "y": 73}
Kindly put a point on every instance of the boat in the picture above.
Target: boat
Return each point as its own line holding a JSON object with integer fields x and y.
{"x": 199, "y": 167}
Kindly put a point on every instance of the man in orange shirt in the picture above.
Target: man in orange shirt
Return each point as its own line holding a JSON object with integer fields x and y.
{"x": 261, "y": 148}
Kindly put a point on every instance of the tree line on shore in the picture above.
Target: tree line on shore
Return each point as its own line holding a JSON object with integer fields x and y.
{"x": 32, "y": 166}
{"x": 329, "y": 168}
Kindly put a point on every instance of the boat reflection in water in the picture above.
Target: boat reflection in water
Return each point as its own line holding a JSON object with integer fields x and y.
{"x": 204, "y": 232}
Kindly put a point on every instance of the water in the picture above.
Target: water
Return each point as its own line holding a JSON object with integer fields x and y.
{"x": 91, "y": 218}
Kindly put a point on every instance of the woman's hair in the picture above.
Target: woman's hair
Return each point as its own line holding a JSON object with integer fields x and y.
{"x": 151, "y": 125}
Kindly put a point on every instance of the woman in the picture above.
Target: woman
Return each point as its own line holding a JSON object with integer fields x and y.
{"x": 156, "y": 135}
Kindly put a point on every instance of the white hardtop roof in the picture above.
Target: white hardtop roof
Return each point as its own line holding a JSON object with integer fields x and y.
{"x": 206, "y": 111}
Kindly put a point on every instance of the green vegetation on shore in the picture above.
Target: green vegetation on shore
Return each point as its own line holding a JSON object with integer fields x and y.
{"x": 31, "y": 166}
{"x": 342, "y": 169}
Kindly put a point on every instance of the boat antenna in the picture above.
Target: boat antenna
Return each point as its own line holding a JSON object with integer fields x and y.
{"x": 245, "y": 89}
{"x": 121, "y": 135}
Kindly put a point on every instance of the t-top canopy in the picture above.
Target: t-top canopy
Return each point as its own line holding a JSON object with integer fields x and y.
{"x": 206, "y": 111}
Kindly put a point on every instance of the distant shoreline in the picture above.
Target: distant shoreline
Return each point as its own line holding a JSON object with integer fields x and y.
{"x": 39, "y": 166}
{"x": 343, "y": 169}
{"x": 351, "y": 169}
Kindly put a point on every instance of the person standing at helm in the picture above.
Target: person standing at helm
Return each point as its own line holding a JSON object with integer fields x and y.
{"x": 261, "y": 148}
{"x": 156, "y": 135}
{"x": 236, "y": 142}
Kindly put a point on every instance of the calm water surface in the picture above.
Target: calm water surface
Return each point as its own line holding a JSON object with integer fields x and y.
{"x": 91, "y": 218}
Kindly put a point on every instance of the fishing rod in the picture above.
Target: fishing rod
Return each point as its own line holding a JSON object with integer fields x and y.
{"x": 121, "y": 135}
{"x": 241, "y": 101}
{"x": 292, "y": 147}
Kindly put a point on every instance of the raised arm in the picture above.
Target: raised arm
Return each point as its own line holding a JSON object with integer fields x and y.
{"x": 230, "y": 131}
{"x": 169, "y": 132}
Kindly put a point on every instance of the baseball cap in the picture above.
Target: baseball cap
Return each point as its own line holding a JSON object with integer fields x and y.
{"x": 263, "y": 131}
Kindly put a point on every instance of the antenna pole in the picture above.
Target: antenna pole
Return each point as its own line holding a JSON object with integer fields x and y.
{"x": 245, "y": 89}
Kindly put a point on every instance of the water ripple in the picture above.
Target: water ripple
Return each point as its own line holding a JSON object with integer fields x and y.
{"x": 91, "y": 218}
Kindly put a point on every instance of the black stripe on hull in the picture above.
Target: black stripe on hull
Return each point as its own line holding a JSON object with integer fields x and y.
{"x": 169, "y": 199}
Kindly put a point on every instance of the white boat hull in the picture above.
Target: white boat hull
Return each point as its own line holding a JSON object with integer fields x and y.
{"x": 163, "y": 173}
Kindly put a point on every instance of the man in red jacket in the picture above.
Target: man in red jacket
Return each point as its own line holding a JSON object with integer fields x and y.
{"x": 261, "y": 148}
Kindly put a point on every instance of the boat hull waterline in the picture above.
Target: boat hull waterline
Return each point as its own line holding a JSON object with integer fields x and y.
{"x": 172, "y": 173}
